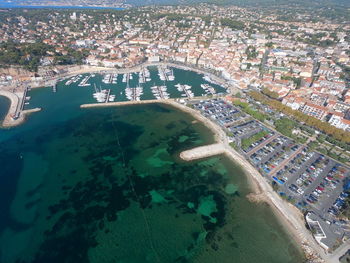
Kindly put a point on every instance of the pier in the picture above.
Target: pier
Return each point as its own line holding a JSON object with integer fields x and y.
{"x": 107, "y": 98}
{"x": 203, "y": 152}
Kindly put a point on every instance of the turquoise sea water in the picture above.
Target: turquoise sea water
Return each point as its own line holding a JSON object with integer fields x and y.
{"x": 4, "y": 106}
{"x": 107, "y": 185}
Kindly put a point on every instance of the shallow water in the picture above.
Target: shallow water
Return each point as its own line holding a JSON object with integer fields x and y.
{"x": 106, "y": 185}
{"x": 4, "y": 107}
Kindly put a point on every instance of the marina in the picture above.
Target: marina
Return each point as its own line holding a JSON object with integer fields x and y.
{"x": 160, "y": 92}
{"x": 134, "y": 94}
{"x": 186, "y": 89}
{"x": 209, "y": 90}
{"x": 84, "y": 82}
{"x": 166, "y": 74}
{"x": 101, "y": 95}
{"x": 73, "y": 80}
{"x": 110, "y": 78}
{"x": 144, "y": 75}
{"x": 146, "y": 83}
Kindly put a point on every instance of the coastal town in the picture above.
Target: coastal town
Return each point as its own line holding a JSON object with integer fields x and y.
{"x": 307, "y": 77}
{"x": 285, "y": 115}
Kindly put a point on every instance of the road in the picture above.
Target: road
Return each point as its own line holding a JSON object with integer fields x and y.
{"x": 285, "y": 161}
{"x": 261, "y": 145}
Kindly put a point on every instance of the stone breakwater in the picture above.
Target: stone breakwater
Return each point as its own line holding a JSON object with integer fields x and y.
{"x": 121, "y": 103}
{"x": 202, "y": 152}
{"x": 15, "y": 104}
{"x": 15, "y": 110}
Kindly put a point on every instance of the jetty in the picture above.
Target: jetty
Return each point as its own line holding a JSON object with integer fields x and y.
{"x": 16, "y": 114}
{"x": 14, "y": 107}
{"x": 203, "y": 152}
{"x": 120, "y": 103}
{"x": 54, "y": 88}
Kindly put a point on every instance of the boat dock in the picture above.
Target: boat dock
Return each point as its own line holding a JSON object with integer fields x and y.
{"x": 107, "y": 97}
{"x": 84, "y": 83}
{"x": 186, "y": 89}
{"x": 160, "y": 92}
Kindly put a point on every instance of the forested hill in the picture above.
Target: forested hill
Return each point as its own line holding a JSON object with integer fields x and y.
{"x": 264, "y": 3}
{"x": 245, "y": 3}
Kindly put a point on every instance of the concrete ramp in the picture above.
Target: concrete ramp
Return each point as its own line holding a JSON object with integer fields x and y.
{"x": 203, "y": 152}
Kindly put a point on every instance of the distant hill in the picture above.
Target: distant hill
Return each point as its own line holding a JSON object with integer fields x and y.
{"x": 265, "y": 3}
{"x": 262, "y": 3}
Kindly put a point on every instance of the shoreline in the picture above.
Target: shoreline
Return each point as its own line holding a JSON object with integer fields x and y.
{"x": 15, "y": 100}
{"x": 9, "y": 122}
{"x": 85, "y": 69}
{"x": 291, "y": 218}
{"x": 12, "y": 110}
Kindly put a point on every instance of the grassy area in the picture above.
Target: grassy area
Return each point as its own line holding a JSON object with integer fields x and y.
{"x": 246, "y": 142}
{"x": 247, "y": 109}
{"x": 286, "y": 126}
{"x": 335, "y": 134}
{"x": 234, "y": 146}
{"x": 322, "y": 149}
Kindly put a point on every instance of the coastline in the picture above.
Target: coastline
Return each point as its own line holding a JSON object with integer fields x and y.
{"x": 288, "y": 215}
{"x": 262, "y": 191}
{"x": 14, "y": 103}
{"x": 15, "y": 99}
{"x": 84, "y": 69}
{"x": 13, "y": 110}
{"x": 291, "y": 218}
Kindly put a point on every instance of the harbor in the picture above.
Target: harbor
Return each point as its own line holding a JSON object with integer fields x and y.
{"x": 144, "y": 84}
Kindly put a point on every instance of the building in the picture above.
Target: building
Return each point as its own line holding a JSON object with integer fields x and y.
{"x": 315, "y": 111}
{"x": 338, "y": 121}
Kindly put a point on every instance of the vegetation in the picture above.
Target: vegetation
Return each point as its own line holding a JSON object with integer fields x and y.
{"x": 246, "y": 142}
{"x": 297, "y": 81}
{"x": 251, "y": 52}
{"x": 72, "y": 57}
{"x": 233, "y": 24}
{"x": 247, "y": 109}
{"x": 346, "y": 209}
{"x": 27, "y": 55}
{"x": 324, "y": 127}
{"x": 285, "y": 126}
{"x": 234, "y": 146}
{"x": 269, "y": 93}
